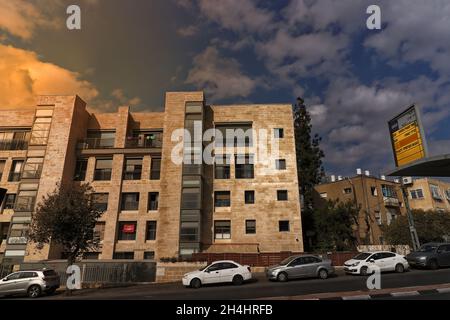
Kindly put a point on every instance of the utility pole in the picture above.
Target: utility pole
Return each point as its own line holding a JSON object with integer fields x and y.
{"x": 412, "y": 227}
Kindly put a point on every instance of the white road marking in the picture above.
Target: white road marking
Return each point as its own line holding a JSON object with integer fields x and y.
{"x": 405, "y": 294}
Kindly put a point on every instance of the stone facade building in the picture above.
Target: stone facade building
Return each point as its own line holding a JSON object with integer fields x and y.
{"x": 153, "y": 206}
{"x": 429, "y": 194}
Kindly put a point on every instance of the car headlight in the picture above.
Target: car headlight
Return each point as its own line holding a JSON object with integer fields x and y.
{"x": 423, "y": 258}
{"x": 355, "y": 264}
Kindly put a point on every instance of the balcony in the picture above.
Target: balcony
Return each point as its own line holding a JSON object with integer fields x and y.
{"x": 145, "y": 142}
{"x": 6, "y": 145}
{"x": 32, "y": 174}
{"x": 96, "y": 143}
{"x": 391, "y": 202}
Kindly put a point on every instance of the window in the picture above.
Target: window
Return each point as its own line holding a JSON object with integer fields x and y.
{"x": 155, "y": 171}
{"x": 4, "y": 227}
{"x": 189, "y": 231}
{"x": 100, "y": 201}
{"x": 222, "y": 167}
{"x": 40, "y": 131}
{"x": 388, "y": 191}
{"x": 16, "y": 170}
{"x": 279, "y": 133}
{"x": 374, "y": 191}
{"x": 19, "y": 233}
{"x": 222, "y": 229}
{"x": 153, "y": 198}
{"x": 222, "y": 199}
{"x": 249, "y": 197}
{"x": 150, "y": 233}
{"x": 149, "y": 255}
{"x": 347, "y": 190}
{"x": 244, "y": 167}
{"x": 237, "y": 135}
{"x": 191, "y": 198}
{"x": 2, "y": 168}
{"x": 145, "y": 139}
{"x": 33, "y": 168}
{"x": 100, "y": 139}
{"x": 10, "y": 199}
{"x": 28, "y": 274}
{"x": 103, "y": 169}
{"x": 280, "y": 164}
{"x": 283, "y": 225}
{"x": 132, "y": 169}
{"x": 250, "y": 226}
{"x": 417, "y": 194}
{"x": 130, "y": 201}
{"x": 25, "y": 201}
{"x": 435, "y": 192}
{"x": 123, "y": 255}
{"x": 14, "y": 140}
{"x": 80, "y": 170}
{"x": 99, "y": 231}
{"x": 282, "y": 195}
{"x": 127, "y": 231}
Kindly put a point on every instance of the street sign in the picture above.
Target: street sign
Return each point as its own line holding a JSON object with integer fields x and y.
{"x": 407, "y": 137}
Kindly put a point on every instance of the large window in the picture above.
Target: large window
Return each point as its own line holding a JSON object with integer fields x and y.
{"x": 191, "y": 198}
{"x": 127, "y": 231}
{"x": 100, "y": 201}
{"x": 155, "y": 170}
{"x": 249, "y": 197}
{"x": 234, "y": 135}
{"x": 132, "y": 169}
{"x": 100, "y": 139}
{"x": 10, "y": 199}
{"x": 222, "y": 199}
{"x": 189, "y": 231}
{"x": 153, "y": 198}
{"x": 80, "y": 170}
{"x": 33, "y": 168}
{"x": 244, "y": 167}
{"x": 150, "y": 233}
{"x": 250, "y": 226}
{"x": 222, "y": 167}
{"x": 16, "y": 171}
{"x": 282, "y": 195}
{"x": 25, "y": 201}
{"x": 103, "y": 169}
{"x": 435, "y": 192}
{"x": 388, "y": 191}
{"x": 222, "y": 229}
{"x": 130, "y": 201}
{"x": 417, "y": 194}
{"x": 14, "y": 140}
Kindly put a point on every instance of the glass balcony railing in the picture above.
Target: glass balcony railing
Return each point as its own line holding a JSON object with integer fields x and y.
{"x": 13, "y": 145}
{"x": 96, "y": 143}
{"x": 153, "y": 141}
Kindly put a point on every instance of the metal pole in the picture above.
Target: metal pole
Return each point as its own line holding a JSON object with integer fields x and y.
{"x": 412, "y": 228}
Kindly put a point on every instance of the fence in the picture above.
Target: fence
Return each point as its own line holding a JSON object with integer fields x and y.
{"x": 102, "y": 272}
{"x": 267, "y": 259}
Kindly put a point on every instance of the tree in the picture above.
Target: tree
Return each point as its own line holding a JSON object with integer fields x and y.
{"x": 310, "y": 170}
{"x": 430, "y": 225}
{"x": 335, "y": 221}
{"x": 67, "y": 217}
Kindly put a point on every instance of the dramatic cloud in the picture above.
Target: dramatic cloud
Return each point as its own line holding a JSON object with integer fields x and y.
{"x": 188, "y": 31}
{"x": 24, "y": 76}
{"x": 220, "y": 77}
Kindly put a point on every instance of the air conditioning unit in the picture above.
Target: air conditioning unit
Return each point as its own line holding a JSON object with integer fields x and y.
{"x": 407, "y": 180}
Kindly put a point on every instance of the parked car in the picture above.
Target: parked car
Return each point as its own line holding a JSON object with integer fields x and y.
{"x": 218, "y": 272}
{"x": 303, "y": 266}
{"x": 387, "y": 261}
{"x": 32, "y": 283}
{"x": 430, "y": 255}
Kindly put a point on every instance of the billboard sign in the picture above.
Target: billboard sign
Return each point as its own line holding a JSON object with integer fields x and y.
{"x": 407, "y": 137}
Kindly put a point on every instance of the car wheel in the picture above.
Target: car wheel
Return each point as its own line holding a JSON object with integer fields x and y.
{"x": 196, "y": 283}
{"x": 363, "y": 271}
{"x": 238, "y": 280}
{"x": 323, "y": 274}
{"x": 433, "y": 264}
{"x": 34, "y": 291}
{"x": 282, "y": 277}
{"x": 399, "y": 268}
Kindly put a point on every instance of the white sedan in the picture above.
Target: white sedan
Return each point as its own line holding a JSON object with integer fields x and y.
{"x": 364, "y": 263}
{"x": 218, "y": 272}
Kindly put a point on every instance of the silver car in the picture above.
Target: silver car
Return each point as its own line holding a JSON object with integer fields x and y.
{"x": 303, "y": 266}
{"x": 32, "y": 283}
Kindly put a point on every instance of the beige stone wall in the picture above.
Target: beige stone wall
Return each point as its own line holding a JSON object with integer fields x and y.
{"x": 173, "y": 272}
{"x": 428, "y": 202}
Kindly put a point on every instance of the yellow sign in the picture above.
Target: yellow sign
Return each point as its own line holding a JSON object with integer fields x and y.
{"x": 407, "y": 138}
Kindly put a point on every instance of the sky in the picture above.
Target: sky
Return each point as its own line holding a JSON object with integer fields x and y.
{"x": 129, "y": 52}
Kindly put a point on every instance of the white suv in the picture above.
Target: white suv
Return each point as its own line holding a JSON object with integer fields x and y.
{"x": 218, "y": 272}
{"x": 386, "y": 261}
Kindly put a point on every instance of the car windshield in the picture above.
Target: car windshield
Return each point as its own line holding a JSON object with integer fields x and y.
{"x": 428, "y": 248}
{"x": 286, "y": 261}
{"x": 362, "y": 256}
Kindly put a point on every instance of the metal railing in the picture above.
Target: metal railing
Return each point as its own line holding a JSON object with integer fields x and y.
{"x": 96, "y": 143}
{"x": 136, "y": 142}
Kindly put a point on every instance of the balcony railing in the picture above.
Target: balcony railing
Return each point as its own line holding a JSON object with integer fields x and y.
{"x": 143, "y": 142}
{"x": 31, "y": 174}
{"x": 13, "y": 145}
{"x": 14, "y": 177}
{"x": 391, "y": 202}
{"x": 96, "y": 143}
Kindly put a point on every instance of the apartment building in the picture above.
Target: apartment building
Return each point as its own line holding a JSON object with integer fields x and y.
{"x": 381, "y": 202}
{"x": 428, "y": 194}
{"x": 154, "y": 207}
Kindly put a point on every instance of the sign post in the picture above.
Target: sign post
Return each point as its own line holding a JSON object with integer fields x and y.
{"x": 409, "y": 145}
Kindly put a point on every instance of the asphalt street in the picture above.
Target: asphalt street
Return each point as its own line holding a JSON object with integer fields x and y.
{"x": 262, "y": 288}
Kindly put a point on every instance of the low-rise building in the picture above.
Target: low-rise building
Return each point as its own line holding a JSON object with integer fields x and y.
{"x": 428, "y": 194}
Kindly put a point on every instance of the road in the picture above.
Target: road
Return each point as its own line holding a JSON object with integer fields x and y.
{"x": 261, "y": 288}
